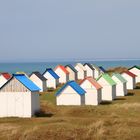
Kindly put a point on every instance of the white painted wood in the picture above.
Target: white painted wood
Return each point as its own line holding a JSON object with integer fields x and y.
{"x": 137, "y": 73}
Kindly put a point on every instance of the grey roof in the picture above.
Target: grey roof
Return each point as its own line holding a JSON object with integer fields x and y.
{"x": 71, "y": 67}
{"x": 88, "y": 64}
{"x": 39, "y": 75}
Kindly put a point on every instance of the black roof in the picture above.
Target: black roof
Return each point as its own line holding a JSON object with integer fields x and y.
{"x": 39, "y": 75}
{"x": 70, "y": 66}
{"x": 89, "y": 65}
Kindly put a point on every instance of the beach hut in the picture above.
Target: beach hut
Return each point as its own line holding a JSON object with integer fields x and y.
{"x": 82, "y": 73}
{"x": 136, "y": 71}
{"x": 63, "y": 74}
{"x": 70, "y": 94}
{"x": 19, "y": 97}
{"x": 131, "y": 79}
{"x": 108, "y": 87}
{"x": 97, "y": 71}
{"x": 93, "y": 90}
{"x": 72, "y": 72}
{"x": 4, "y": 77}
{"x": 52, "y": 78}
{"x": 89, "y": 70}
{"x": 121, "y": 89}
{"x": 39, "y": 80}
{"x": 102, "y": 70}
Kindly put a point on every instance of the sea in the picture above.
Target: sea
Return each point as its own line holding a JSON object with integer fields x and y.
{"x": 29, "y": 67}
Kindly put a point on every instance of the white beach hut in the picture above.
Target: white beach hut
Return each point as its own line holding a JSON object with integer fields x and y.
{"x": 39, "y": 80}
{"x": 81, "y": 71}
{"x": 93, "y": 90}
{"x": 121, "y": 89}
{"x": 131, "y": 79}
{"x": 136, "y": 71}
{"x": 72, "y": 72}
{"x": 90, "y": 70}
{"x": 4, "y": 77}
{"x": 108, "y": 87}
{"x": 97, "y": 71}
{"x": 19, "y": 97}
{"x": 62, "y": 73}
{"x": 70, "y": 94}
{"x": 52, "y": 78}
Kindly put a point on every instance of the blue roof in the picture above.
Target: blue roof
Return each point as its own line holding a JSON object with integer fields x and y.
{"x": 102, "y": 69}
{"x": 26, "y": 82}
{"x": 52, "y": 73}
{"x": 75, "y": 86}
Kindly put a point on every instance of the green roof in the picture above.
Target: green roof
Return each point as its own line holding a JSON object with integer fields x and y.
{"x": 120, "y": 77}
{"x": 108, "y": 79}
{"x": 135, "y": 67}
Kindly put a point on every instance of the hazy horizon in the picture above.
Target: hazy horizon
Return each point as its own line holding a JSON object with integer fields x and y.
{"x": 36, "y": 31}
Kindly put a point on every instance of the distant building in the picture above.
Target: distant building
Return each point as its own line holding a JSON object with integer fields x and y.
{"x": 89, "y": 69}
{"x": 72, "y": 72}
{"x": 82, "y": 73}
{"x": 39, "y": 80}
{"x": 108, "y": 87}
{"x": 136, "y": 71}
{"x": 52, "y": 78}
{"x": 131, "y": 79}
{"x": 19, "y": 97}
{"x": 121, "y": 89}
{"x": 70, "y": 94}
{"x": 63, "y": 74}
{"x": 93, "y": 95}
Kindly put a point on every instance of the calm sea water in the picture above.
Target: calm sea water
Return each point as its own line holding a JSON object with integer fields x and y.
{"x": 30, "y": 67}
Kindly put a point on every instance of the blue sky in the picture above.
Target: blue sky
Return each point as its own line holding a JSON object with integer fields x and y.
{"x": 44, "y": 30}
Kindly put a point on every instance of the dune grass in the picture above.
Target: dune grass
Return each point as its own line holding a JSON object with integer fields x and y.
{"x": 115, "y": 120}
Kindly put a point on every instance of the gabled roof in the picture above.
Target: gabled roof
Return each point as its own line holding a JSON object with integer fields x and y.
{"x": 119, "y": 77}
{"x": 108, "y": 79}
{"x": 102, "y": 69}
{"x": 39, "y": 75}
{"x": 52, "y": 73}
{"x": 134, "y": 67}
{"x": 93, "y": 82}
{"x": 62, "y": 68}
{"x": 130, "y": 74}
{"x": 95, "y": 67}
{"x": 25, "y": 81}
{"x": 89, "y": 65}
{"x": 81, "y": 66}
{"x": 71, "y": 67}
{"x": 75, "y": 86}
{"x": 6, "y": 75}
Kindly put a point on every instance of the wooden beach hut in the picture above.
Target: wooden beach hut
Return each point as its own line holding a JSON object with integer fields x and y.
{"x": 19, "y": 97}
{"x": 39, "y": 80}
{"x": 4, "y": 77}
{"x": 121, "y": 89}
{"x": 72, "y": 72}
{"x": 63, "y": 74}
{"x": 97, "y": 71}
{"x": 136, "y": 71}
{"x": 52, "y": 78}
{"x": 82, "y": 73}
{"x": 108, "y": 87}
{"x": 89, "y": 69}
{"x": 70, "y": 94}
{"x": 93, "y": 90}
{"x": 131, "y": 79}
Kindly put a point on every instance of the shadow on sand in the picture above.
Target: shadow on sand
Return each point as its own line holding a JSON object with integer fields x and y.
{"x": 130, "y": 94}
{"x": 119, "y": 98}
{"x": 106, "y": 102}
{"x": 42, "y": 113}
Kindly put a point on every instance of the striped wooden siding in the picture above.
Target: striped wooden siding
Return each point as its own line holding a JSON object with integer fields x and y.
{"x": 14, "y": 86}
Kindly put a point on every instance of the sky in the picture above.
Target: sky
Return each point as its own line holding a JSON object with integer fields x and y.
{"x": 51, "y": 30}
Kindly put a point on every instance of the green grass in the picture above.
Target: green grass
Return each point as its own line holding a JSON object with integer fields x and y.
{"x": 115, "y": 120}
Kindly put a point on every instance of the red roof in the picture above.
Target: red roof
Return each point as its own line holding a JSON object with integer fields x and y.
{"x": 62, "y": 68}
{"x": 130, "y": 74}
{"x": 6, "y": 75}
{"x": 93, "y": 82}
